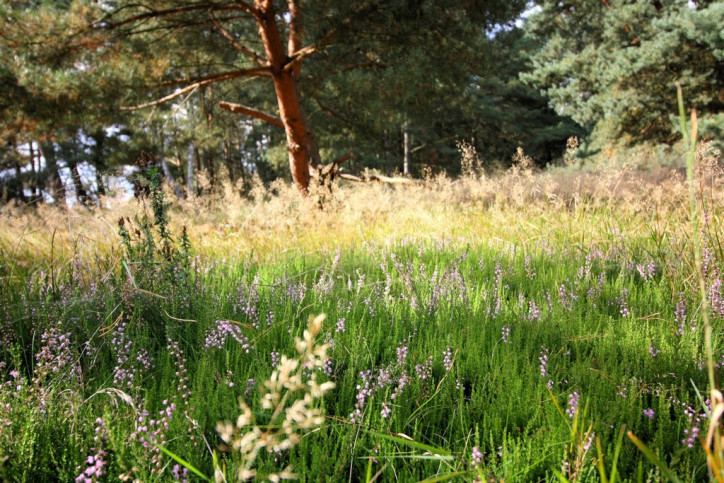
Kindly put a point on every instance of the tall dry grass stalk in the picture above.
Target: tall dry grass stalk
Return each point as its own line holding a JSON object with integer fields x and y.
{"x": 292, "y": 395}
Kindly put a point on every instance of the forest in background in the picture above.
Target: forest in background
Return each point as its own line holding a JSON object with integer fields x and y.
{"x": 86, "y": 87}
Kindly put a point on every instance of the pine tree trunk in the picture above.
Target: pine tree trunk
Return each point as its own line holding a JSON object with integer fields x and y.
{"x": 170, "y": 179}
{"x": 80, "y": 191}
{"x": 35, "y": 173}
{"x": 98, "y": 162}
{"x": 300, "y": 144}
{"x": 53, "y": 183}
{"x": 406, "y": 150}
{"x": 190, "y": 172}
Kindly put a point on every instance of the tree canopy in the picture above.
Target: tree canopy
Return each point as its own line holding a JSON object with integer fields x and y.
{"x": 288, "y": 88}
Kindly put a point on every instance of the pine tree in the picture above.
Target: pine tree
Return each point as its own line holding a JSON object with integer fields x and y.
{"x": 612, "y": 65}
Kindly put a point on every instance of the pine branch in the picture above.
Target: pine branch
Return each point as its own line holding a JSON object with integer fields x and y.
{"x": 250, "y": 111}
{"x": 238, "y": 46}
{"x": 257, "y": 72}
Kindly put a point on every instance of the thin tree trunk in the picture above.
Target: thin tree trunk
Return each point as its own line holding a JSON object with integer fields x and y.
{"x": 35, "y": 178}
{"x": 170, "y": 179}
{"x": 18, "y": 183}
{"x": 406, "y": 150}
{"x": 80, "y": 191}
{"x": 53, "y": 184}
{"x": 99, "y": 136}
{"x": 16, "y": 186}
{"x": 190, "y": 172}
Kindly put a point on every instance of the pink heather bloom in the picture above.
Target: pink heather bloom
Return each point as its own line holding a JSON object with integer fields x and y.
{"x": 477, "y": 456}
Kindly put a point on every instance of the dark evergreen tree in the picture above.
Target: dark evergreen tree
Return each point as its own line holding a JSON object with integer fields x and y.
{"x": 612, "y": 65}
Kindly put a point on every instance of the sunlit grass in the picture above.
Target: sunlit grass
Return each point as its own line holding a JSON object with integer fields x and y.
{"x": 494, "y": 310}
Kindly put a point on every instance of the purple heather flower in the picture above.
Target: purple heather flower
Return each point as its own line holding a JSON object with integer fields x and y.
{"x": 386, "y": 411}
{"x": 653, "y": 350}
{"x": 477, "y": 456}
{"x": 505, "y": 333}
{"x": 401, "y": 354}
{"x": 543, "y": 362}
{"x": 572, "y": 404}
{"x": 447, "y": 362}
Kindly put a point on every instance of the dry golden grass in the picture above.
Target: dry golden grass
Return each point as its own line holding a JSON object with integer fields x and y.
{"x": 520, "y": 205}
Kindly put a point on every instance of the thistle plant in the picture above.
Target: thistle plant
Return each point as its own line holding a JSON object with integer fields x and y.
{"x": 291, "y": 394}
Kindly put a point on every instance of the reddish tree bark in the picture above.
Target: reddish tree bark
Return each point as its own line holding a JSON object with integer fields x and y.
{"x": 283, "y": 69}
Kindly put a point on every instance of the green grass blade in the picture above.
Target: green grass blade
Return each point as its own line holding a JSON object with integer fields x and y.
{"x": 445, "y": 477}
{"x": 183, "y": 463}
{"x": 560, "y": 476}
{"x": 653, "y": 458}
{"x": 599, "y": 463}
{"x": 410, "y": 443}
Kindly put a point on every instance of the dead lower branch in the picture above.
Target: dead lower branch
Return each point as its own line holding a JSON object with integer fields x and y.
{"x": 250, "y": 111}
{"x": 256, "y": 72}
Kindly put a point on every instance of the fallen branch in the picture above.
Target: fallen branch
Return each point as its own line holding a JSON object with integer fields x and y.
{"x": 377, "y": 178}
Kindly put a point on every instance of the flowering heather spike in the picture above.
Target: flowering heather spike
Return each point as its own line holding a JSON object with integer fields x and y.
{"x": 217, "y": 335}
{"x": 566, "y": 297}
{"x": 533, "y": 311}
{"x": 649, "y": 413}
{"x": 505, "y": 334}
{"x": 622, "y": 302}
{"x": 653, "y": 350}
{"x": 447, "y": 361}
{"x": 572, "y": 404}
{"x": 180, "y": 474}
{"x": 716, "y": 297}
{"x": 401, "y": 354}
{"x": 680, "y": 315}
{"x": 477, "y": 456}
{"x": 543, "y": 362}
{"x": 95, "y": 463}
{"x": 424, "y": 371}
{"x": 529, "y": 270}
{"x": 386, "y": 411}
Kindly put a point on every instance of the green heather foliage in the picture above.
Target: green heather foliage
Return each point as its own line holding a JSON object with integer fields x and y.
{"x": 457, "y": 356}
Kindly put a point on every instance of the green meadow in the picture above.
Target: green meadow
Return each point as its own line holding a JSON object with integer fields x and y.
{"x": 508, "y": 328}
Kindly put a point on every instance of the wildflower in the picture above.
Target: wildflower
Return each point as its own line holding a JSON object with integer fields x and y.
{"x": 505, "y": 334}
{"x": 477, "y": 456}
{"x": 401, "y": 354}
{"x": 653, "y": 351}
{"x": 447, "y": 362}
{"x": 649, "y": 413}
{"x": 543, "y": 362}
{"x": 572, "y": 404}
{"x": 386, "y": 411}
